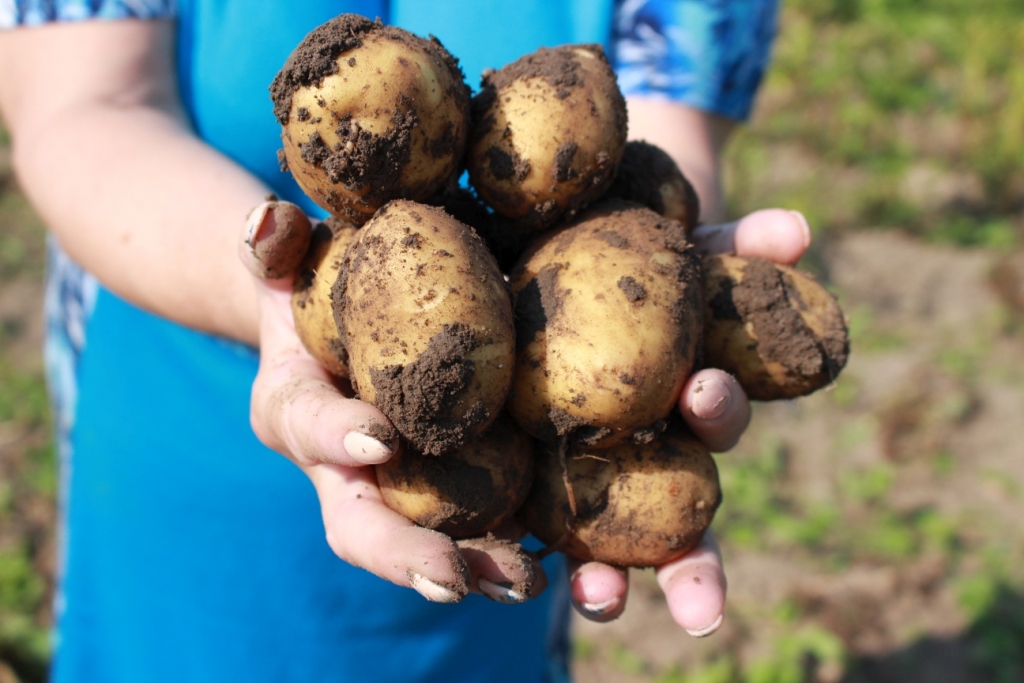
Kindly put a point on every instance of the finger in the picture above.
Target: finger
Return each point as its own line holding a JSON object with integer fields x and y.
{"x": 598, "y": 590}
{"x": 297, "y": 410}
{"x": 364, "y": 532}
{"x": 694, "y": 587}
{"x": 501, "y": 570}
{"x": 716, "y": 408}
{"x": 276, "y": 239}
{"x": 775, "y": 234}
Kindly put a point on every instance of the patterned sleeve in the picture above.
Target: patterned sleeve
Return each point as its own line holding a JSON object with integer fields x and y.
{"x": 710, "y": 54}
{"x": 34, "y": 12}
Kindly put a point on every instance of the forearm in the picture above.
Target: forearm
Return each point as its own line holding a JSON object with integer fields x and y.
{"x": 148, "y": 209}
{"x": 126, "y": 187}
{"x": 693, "y": 138}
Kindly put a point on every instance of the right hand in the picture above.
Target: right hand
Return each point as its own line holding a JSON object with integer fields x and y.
{"x": 310, "y": 417}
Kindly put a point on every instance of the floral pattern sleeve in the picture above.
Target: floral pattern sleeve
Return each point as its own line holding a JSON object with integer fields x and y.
{"x": 710, "y": 54}
{"x": 34, "y": 12}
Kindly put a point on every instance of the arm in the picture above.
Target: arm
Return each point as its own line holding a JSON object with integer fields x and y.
{"x": 94, "y": 115}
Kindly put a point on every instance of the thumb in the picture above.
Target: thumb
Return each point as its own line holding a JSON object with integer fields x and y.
{"x": 276, "y": 239}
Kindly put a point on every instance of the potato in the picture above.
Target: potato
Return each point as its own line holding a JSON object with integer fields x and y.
{"x": 468, "y": 492}
{"x": 548, "y": 132}
{"x": 776, "y": 329}
{"x": 609, "y": 314}
{"x": 311, "y": 294}
{"x": 427, "y": 320}
{"x": 647, "y": 175}
{"x": 370, "y": 113}
{"x": 635, "y": 505}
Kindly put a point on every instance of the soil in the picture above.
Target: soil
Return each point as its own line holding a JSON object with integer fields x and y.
{"x": 634, "y": 291}
{"x": 419, "y": 397}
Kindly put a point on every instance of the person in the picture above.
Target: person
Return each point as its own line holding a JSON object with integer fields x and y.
{"x": 142, "y": 133}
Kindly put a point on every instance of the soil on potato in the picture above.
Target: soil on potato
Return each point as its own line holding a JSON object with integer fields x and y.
{"x": 767, "y": 300}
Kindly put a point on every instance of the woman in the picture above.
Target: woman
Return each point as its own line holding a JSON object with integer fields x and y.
{"x": 144, "y": 136}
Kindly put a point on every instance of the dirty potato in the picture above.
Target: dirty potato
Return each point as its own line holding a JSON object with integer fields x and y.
{"x": 776, "y": 329}
{"x": 635, "y": 505}
{"x": 548, "y": 132}
{"x": 311, "y": 294}
{"x": 427, "y": 321}
{"x": 370, "y": 113}
{"x": 647, "y": 175}
{"x": 609, "y": 314}
{"x": 468, "y": 492}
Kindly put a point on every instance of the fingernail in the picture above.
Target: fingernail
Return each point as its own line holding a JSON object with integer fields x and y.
{"x": 600, "y": 607}
{"x": 804, "y": 226}
{"x": 366, "y": 449}
{"x": 256, "y": 220}
{"x": 506, "y": 596}
{"x": 707, "y": 630}
{"x": 430, "y": 590}
{"x": 711, "y": 398}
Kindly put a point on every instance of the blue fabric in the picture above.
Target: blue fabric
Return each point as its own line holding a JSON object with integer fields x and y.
{"x": 35, "y": 12}
{"x": 709, "y": 54}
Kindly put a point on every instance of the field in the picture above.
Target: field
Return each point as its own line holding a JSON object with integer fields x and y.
{"x": 871, "y": 532}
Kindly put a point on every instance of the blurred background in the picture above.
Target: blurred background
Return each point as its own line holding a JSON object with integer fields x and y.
{"x": 873, "y": 532}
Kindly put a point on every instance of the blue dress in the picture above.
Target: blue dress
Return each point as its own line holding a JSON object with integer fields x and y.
{"x": 190, "y": 552}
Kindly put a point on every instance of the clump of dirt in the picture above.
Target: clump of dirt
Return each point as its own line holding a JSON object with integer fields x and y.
{"x": 419, "y": 397}
{"x": 316, "y": 58}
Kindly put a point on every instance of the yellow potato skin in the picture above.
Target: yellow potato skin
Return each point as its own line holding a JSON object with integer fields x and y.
{"x": 609, "y": 312}
{"x": 636, "y": 505}
{"x": 311, "y": 294}
{"x": 529, "y": 122}
{"x": 470, "y": 491}
{"x": 789, "y": 339}
{"x": 426, "y": 318}
{"x": 394, "y": 99}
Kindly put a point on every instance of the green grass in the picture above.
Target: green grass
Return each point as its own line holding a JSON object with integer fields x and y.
{"x": 867, "y": 91}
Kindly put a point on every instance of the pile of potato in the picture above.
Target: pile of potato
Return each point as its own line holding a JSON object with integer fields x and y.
{"x": 529, "y": 340}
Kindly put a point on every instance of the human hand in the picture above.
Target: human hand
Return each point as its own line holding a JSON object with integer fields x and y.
{"x": 717, "y": 411}
{"x": 299, "y": 410}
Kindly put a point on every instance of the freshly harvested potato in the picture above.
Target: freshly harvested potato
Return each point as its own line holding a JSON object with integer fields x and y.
{"x": 776, "y": 329}
{"x": 635, "y": 505}
{"x": 609, "y": 315}
{"x": 426, "y": 318}
{"x": 647, "y": 175}
{"x": 311, "y": 294}
{"x": 370, "y": 113}
{"x": 548, "y": 132}
{"x": 468, "y": 492}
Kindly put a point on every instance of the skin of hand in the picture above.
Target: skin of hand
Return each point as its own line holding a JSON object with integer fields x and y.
{"x": 120, "y": 97}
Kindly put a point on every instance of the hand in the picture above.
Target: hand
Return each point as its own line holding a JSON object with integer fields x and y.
{"x": 301, "y": 411}
{"x": 717, "y": 411}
